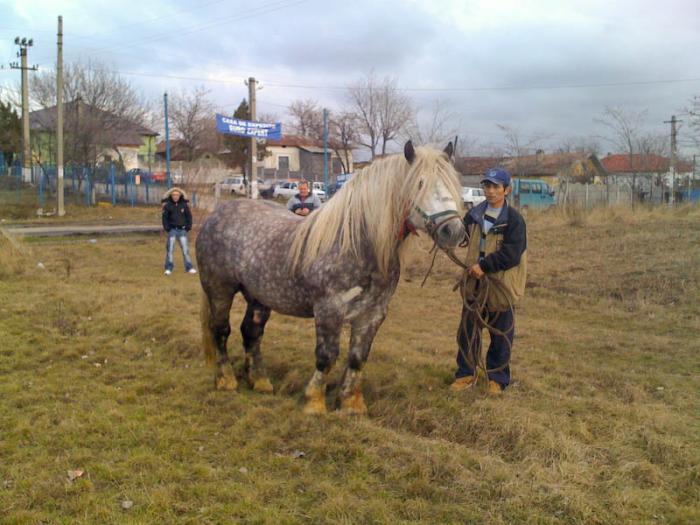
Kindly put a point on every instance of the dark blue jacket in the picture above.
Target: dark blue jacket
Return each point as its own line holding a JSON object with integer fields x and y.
{"x": 512, "y": 226}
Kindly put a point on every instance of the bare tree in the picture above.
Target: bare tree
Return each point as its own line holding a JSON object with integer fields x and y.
{"x": 307, "y": 121}
{"x": 343, "y": 136}
{"x": 517, "y": 147}
{"x": 435, "y": 128}
{"x": 382, "y": 111}
{"x": 692, "y": 117}
{"x": 100, "y": 108}
{"x": 191, "y": 113}
{"x": 624, "y": 133}
{"x": 467, "y": 146}
{"x": 651, "y": 147}
{"x": 307, "y": 118}
{"x": 579, "y": 145}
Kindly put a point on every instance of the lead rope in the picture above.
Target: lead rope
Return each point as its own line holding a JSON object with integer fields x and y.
{"x": 476, "y": 312}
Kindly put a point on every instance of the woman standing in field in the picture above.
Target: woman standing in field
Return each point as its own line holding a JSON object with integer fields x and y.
{"x": 177, "y": 221}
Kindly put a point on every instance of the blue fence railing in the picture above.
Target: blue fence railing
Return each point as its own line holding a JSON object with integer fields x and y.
{"x": 86, "y": 185}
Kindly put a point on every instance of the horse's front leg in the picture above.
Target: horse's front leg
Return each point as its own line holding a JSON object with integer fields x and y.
{"x": 364, "y": 328}
{"x": 328, "y": 329}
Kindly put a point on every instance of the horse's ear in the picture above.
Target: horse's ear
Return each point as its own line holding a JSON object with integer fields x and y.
{"x": 449, "y": 150}
{"x": 409, "y": 152}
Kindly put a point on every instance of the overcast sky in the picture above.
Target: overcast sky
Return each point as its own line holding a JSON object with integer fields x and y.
{"x": 541, "y": 67}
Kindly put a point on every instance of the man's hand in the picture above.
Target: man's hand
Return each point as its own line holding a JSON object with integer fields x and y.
{"x": 476, "y": 271}
{"x": 302, "y": 211}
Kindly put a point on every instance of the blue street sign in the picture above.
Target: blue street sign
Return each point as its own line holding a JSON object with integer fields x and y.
{"x": 247, "y": 128}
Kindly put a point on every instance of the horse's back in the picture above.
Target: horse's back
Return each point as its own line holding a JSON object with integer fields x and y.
{"x": 245, "y": 244}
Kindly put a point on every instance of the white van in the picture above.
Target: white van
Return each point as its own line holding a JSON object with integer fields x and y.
{"x": 235, "y": 185}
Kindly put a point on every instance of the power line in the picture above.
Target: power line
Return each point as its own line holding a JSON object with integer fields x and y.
{"x": 131, "y": 26}
{"x": 256, "y": 11}
{"x": 272, "y": 83}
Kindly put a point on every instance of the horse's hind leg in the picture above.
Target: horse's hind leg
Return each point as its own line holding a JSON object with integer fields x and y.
{"x": 215, "y": 331}
{"x": 252, "y": 330}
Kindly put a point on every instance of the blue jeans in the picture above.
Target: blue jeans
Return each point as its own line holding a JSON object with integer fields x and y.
{"x": 181, "y": 236}
{"x": 499, "y": 349}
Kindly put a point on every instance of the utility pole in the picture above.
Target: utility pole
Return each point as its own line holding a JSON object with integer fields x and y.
{"x": 325, "y": 149}
{"x": 167, "y": 141}
{"x": 673, "y": 122}
{"x": 253, "y": 146}
{"x": 23, "y": 44}
{"x": 59, "y": 119}
{"x": 691, "y": 180}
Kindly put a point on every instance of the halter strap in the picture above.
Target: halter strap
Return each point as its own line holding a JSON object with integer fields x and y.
{"x": 431, "y": 221}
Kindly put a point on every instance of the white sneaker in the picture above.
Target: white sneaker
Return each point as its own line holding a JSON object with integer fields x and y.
{"x": 191, "y": 270}
{"x": 168, "y": 272}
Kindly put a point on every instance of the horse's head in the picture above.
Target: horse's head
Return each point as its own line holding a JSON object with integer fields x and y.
{"x": 436, "y": 206}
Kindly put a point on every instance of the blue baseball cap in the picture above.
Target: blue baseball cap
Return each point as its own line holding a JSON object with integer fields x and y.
{"x": 497, "y": 176}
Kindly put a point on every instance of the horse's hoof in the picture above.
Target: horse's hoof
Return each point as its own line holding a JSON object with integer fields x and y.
{"x": 315, "y": 407}
{"x": 263, "y": 385}
{"x": 225, "y": 380}
{"x": 354, "y": 405}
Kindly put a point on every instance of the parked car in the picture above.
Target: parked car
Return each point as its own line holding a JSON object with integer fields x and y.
{"x": 340, "y": 180}
{"x": 266, "y": 188}
{"x": 532, "y": 193}
{"x": 159, "y": 177}
{"x": 319, "y": 189}
{"x": 235, "y": 185}
{"x": 286, "y": 189}
{"x": 137, "y": 172}
{"x": 290, "y": 188}
{"x": 472, "y": 196}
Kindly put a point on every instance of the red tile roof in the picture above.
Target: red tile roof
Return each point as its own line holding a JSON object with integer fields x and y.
{"x": 477, "y": 165}
{"x": 621, "y": 163}
{"x": 543, "y": 164}
{"x": 295, "y": 141}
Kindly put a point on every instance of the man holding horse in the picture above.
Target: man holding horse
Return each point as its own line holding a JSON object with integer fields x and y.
{"x": 303, "y": 202}
{"x": 497, "y": 263}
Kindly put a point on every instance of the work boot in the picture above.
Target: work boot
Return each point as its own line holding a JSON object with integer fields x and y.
{"x": 462, "y": 383}
{"x": 495, "y": 388}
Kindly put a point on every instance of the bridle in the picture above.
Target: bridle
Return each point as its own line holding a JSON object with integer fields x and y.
{"x": 432, "y": 224}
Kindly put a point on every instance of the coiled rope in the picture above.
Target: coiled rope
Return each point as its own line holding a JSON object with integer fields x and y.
{"x": 474, "y": 300}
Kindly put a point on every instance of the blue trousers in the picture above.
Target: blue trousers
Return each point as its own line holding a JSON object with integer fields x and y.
{"x": 499, "y": 349}
{"x": 181, "y": 237}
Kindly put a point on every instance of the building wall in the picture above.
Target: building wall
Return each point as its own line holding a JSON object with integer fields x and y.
{"x": 129, "y": 156}
{"x": 308, "y": 163}
{"x": 272, "y": 161}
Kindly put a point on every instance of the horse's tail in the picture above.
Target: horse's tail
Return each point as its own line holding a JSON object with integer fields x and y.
{"x": 208, "y": 341}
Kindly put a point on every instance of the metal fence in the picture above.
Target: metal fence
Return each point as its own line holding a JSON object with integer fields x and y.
{"x": 84, "y": 185}
{"x": 597, "y": 195}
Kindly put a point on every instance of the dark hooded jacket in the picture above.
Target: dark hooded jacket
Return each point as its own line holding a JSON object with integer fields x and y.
{"x": 176, "y": 214}
{"x": 501, "y": 253}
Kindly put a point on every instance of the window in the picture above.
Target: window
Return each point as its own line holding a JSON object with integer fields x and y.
{"x": 536, "y": 187}
{"x": 524, "y": 187}
{"x": 283, "y": 163}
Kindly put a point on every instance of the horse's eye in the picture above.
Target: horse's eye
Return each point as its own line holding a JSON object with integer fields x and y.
{"x": 420, "y": 184}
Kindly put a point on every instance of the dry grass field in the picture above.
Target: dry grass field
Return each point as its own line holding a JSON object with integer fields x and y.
{"x": 101, "y": 372}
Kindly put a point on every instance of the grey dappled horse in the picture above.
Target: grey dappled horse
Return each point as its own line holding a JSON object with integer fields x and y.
{"x": 340, "y": 264}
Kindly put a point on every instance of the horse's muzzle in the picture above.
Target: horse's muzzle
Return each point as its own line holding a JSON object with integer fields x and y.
{"x": 450, "y": 233}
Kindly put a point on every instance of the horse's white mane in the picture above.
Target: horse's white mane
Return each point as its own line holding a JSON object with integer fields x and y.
{"x": 372, "y": 207}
